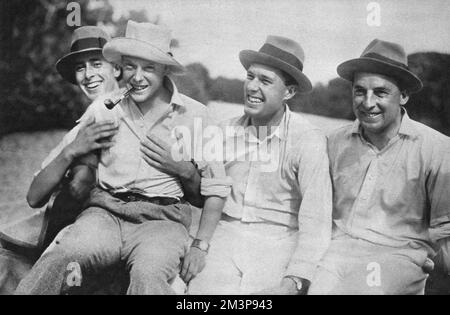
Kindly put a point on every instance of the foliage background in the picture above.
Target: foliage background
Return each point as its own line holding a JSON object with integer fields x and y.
{"x": 34, "y": 34}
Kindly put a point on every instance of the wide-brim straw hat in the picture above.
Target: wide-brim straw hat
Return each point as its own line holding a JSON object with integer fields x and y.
{"x": 283, "y": 54}
{"x": 145, "y": 41}
{"x": 386, "y": 58}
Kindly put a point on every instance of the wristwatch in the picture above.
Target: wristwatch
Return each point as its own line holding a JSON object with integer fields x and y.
{"x": 200, "y": 244}
{"x": 298, "y": 283}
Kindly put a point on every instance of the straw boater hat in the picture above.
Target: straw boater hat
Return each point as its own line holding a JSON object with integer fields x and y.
{"x": 146, "y": 41}
{"x": 384, "y": 58}
{"x": 84, "y": 39}
{"x": 283, "y": 54}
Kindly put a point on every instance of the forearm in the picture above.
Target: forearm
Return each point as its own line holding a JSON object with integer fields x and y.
{"x": 314, "y": 235}
{"x": 315, "y": 213}
{"x": 211, "y": 214}
{"x": 48, "y": 179}
{"x": 191, "y": 183}
{"x": 311, "y": 248}
{"x": 194, "y": 260}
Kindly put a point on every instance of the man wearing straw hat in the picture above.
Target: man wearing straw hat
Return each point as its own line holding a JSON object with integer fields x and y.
{"x": 85, "y": 67}
{"x": 391, "y": 176}
{"x": 276, "y": 223}
{"x": 137, "y": 215}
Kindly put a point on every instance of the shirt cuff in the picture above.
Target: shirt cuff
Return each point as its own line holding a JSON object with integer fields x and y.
{"x": 439, "y": 222}
{"x": 440, "y": 232}
{"x": 443, "y": 258}
{"x": 303, "y": 270}
{"x": 220, "y": 187}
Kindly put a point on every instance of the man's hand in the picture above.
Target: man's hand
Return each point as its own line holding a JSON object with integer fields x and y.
{"x": 158, "y": 153}
{"x": 193, "y": 264}
{"x": 286, "y": 287}
{"x": 89, "y": 136}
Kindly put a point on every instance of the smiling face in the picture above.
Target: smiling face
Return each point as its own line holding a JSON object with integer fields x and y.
{"x": 94, "y": 75}
{"x": 146, "y": 77}
{"x": 265, "y": 92}
{"x": 377, "y": 102}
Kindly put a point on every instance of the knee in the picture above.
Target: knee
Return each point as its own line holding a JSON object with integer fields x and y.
{"x": 158, "y": 262}
{"x": 58, "y": 252}
{"x": 153, "y": 273}
{"x": 146, "y": 279}
{"x": 67, "y": 248}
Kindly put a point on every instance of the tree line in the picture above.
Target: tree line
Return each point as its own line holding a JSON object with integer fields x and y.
{"x": 34, "y": 34}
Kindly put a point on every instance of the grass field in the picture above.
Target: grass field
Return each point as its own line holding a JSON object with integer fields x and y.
{"x": 20, "y": 156}
{"x": 22, "y": 153}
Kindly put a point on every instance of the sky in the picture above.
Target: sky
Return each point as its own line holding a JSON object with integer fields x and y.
{"x": 213, "y": 32}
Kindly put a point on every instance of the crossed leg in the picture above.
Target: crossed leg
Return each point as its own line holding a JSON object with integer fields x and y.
{"x": 90, "y": 244}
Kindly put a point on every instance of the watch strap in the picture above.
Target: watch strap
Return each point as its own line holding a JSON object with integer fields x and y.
{"x": 200, "y": 244}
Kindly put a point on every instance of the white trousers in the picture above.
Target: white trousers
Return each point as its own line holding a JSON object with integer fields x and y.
{"x": 245, "y": 258}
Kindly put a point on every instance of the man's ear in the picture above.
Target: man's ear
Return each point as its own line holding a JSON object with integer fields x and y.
{"x": 404, "y": 98}
{"x": 291, "y": 90}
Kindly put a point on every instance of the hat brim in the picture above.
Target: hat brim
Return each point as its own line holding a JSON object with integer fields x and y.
{"x": 249, "y": 57}
{"x": 65, "y": 65}
{"x": 405, "y": 78}
{"x": 122, "y": 46}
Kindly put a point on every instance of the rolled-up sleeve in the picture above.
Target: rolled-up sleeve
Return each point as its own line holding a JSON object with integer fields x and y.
{"x": 437, "y": 188}
{"x": 70, "y": 136}
{"x": 214, "y": 180}
{"x": 438, "y": 183}
{"x": 315, "y": 214}
{"x": 67, "y": 139}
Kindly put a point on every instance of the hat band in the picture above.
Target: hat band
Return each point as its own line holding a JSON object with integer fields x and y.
{"x": 282, "y": 55}
{"x": 385, "y": 59}
{"x": 87, "y": 43}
